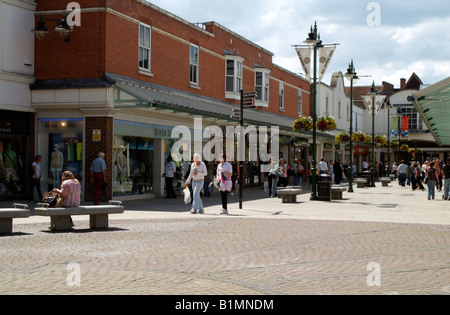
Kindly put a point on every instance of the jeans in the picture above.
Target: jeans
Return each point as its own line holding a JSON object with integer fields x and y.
{"x": 274, "y": 186}
{"x": 431, "y": 189}
{"x": 402, "y": 179}
{"x": 197, "y": 203}
{"x": 446, "y": 188}
{"x": 35, "y": 183}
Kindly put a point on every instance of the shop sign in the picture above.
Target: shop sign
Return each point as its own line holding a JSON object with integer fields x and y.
{"x": 361, "y": 151}
{"x": 328, "y": 146}
{"x": 97, "y": 135}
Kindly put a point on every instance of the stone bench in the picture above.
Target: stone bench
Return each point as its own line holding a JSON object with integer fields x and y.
{"x": 7, "y": 215}
{"x": 360, "y": 182}
{"x": 60, "y": 217}
{"x": 289, "y": 194}
{"x": 337, "y": 192}
{"x": 385, "y": 181}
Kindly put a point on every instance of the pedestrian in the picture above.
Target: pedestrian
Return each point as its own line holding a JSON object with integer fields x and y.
{"x": 70, "y": 191}
{"x": 337, "y": 171}
{"x": 437, "y": 165}
{"x": 395, "y": 169}
{"x": 197, "y": 179}
{"x": 432, "y": 179}
{"x": 170, "y": 176}
{"x": 446, "y": 179}
{"x": 365, "y": 166}
{"x": 416, "y": 177}
{"x": 323, "y": 167}
{"x": 36, "y": 178}
{"x": 402, "y": 173}
{"x": 275, "y": 172}
{"x": 98, "y": 176}
{"x": 224, "y": 173}
{"x": 283, "y": 177}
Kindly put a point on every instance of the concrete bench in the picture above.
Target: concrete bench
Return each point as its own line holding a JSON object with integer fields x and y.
{"x": 360, "y": 182}
{"x": 337, "y": 192}
{"x": 60, "y": 217}
{"x": 289, "y": 194}
{"x": 385, "y": 181}
{"x": 7, "y": 215}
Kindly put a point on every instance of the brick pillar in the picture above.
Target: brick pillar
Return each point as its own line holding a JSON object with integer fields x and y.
{"x": 105, "y": 124}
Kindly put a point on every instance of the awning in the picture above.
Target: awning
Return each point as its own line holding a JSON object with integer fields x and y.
{"x": 150, "y": 95}
{"x": 433, "y": 103}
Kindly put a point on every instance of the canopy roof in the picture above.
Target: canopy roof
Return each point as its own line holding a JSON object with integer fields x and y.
{"x": 433, "y": 103}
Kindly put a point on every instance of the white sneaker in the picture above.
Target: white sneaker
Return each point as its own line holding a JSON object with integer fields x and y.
{"x": 224, "y": 211}
{"x": 193, "y": 211}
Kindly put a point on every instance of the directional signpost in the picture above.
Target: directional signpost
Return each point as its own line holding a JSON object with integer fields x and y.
{"x": 247, "y": 102}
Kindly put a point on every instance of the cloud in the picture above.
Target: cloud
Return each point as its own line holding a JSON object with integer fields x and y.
{"x": 412, "y": 37}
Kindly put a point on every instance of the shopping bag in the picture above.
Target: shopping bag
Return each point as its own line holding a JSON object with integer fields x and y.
{"x": 187, "y": 195}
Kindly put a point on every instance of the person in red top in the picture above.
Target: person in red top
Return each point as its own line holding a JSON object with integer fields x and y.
{"x": 70, "y": 191}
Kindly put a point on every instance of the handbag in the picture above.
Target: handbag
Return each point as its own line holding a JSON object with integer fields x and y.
{"x": 50, "y": 200}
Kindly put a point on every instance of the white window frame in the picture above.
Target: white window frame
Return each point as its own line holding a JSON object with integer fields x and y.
{"x": 281, "y": 94}
{"x": 236, "y": 76}
{"x": 262, "y": 97}
{"x": 300, "y": 102}
{"x": 145, "y": 46}
{"x": 194, "y": 64}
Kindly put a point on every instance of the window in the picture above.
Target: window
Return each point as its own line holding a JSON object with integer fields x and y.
{"x": 262, "y": 86}
{"x": 281, "y": 95}
{"x": 233, "y": 79}
{"x": 327, "y": 106}
{"x": 300, "y": 102}
{"x": 193, "y": 61}
{"x": 339, "y": 109}
{"x": 415, "y": 120}
{"x": 348, "y": 112}
{"x": 144, "y": 47}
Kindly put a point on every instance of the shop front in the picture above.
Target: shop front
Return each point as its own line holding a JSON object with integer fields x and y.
{"x": 60, "y": 143}
{"x": 14, "y": 130}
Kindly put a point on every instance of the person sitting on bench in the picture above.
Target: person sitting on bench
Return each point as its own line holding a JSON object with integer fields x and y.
{"x": 70, "y": 191}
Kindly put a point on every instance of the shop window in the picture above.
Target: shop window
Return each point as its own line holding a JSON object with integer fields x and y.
{"x": 12, "y": 166}
{"x": 60, "y": 143}
{"x": 133, "y": 158}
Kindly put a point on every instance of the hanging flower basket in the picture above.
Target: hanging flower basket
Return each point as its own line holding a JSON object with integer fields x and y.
{"x": 394, "y": 144}
{"x": 303, "y": 123}
{"x": 343, "y": 137}
{"x": 404, "y": 148}
{"x": 326, "y": 123}
{"x": 361, "y": 137}
{"x": 380, "y": 141}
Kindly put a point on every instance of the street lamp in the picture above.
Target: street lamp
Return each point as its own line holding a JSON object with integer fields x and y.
{"x": 351, "y": 75}
{"x": 389, "y": 106}
{"x": 314, "y": 43}
{"x": 373, "y": 102}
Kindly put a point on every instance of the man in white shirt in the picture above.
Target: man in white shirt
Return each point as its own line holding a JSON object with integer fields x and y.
{"x": 323, "y": 167}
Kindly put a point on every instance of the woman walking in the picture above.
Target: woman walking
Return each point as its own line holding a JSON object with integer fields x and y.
{"x": 36, "y": 178}
{"x": 224, "y": 174}
{"x": 197, "y": 179}
{"x": 432, "y": 179}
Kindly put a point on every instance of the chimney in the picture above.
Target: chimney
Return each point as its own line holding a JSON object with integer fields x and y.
{"x": 402, "y": 83}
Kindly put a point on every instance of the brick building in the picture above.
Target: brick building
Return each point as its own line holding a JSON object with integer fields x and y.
{"x": 130, "y": 73}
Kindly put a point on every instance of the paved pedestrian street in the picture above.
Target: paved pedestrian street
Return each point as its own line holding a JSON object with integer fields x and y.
{"x": 268, "y": 248}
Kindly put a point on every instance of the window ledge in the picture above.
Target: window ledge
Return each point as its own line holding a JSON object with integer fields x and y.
{"x": 145, "y": 72}
{"x": 232, "y": 95}
{"x": 195, "y": 86}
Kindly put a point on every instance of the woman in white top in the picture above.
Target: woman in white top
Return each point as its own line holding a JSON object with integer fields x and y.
{"x": 197, "y": 177}
{"x": 36, "y": 178}
{"x": 224, "y": 173}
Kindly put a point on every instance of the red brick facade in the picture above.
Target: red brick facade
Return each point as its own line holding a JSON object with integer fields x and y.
{"x": 108, "y": 41}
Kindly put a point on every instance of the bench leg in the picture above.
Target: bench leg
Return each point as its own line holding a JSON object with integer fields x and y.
{"x": 60, "y": 223}
{"x": 6, "y": 226}
{"x": 98, "y": 221}
{"x": 289, "y": 199}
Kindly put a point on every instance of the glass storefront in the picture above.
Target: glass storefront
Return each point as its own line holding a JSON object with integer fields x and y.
{"x": 60, "y": 142}
{"x": 14, "y": 130}
{"x": 133, "y": 158}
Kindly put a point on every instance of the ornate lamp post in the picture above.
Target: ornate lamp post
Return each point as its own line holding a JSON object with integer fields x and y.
{"x": 351, "y": 75}
{"x": 314, "y": 43}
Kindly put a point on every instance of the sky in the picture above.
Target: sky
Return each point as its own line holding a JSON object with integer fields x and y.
{"x": 387, "y": 39}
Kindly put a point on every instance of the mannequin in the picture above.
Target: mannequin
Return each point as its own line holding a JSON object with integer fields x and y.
{"x": 56, "y": 165}
{"x": 121, "y": 164}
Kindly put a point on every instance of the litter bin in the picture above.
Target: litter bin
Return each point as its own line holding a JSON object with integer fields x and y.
{"x": 324, "y": 187}
{"x": 368, "y": 176}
